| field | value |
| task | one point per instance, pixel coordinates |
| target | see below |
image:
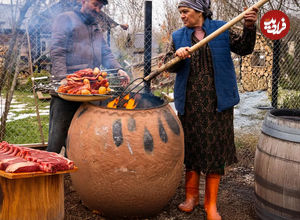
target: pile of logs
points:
(257, 75)
(3, 50)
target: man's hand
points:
(125, 77)
(250, 18)
(63, 82)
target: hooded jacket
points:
(77, 43)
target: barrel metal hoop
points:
(292, 213)
(280, 132)
(276, 188)
(280, 158)
(263, 213)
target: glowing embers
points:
(126, 102)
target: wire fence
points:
(25, 67)
(274, 66)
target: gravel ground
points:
(236, 193)
(236, 196)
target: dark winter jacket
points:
(78, 43)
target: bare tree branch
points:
(10, 55)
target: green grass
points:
(27, 98)
(289, 98)
(26, 131)
(26, 111)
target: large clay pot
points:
(130, 161)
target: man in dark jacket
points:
(77, 43)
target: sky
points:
(157, 8)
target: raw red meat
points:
(22, 167)
(8, 160)
(53, 162)
(22, 159)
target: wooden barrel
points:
(277, 166)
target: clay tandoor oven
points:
(129, 161)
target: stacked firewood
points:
(256, 69)
(3, 50)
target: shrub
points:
(290, 77)
(28, 85)
(291, 102)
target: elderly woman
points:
(205, 94)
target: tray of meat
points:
(83, 98)
(22, 162)
(86, 85)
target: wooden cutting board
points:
(32, 174)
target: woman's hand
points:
(124, 26)
(250, 18)
(183, 52)
(125, 78)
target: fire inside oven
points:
(141, 101)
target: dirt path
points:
(236, 195)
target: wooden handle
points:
(205, 40)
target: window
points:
(258, 58)
(43, 46)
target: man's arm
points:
(61, 30)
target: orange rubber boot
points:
(210, 199)
(191, 192)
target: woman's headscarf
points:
(198, 5)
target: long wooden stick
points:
(205, 40)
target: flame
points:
(130, 104)
(127, 97)
(113, 103)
